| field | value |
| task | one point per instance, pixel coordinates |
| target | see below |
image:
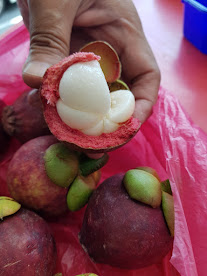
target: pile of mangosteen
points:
(82, 108)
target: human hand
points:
(58, 29)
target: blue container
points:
(195, 23)
(203, 2)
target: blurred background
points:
(9, 14)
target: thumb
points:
(50, 26)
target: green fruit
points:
(165, 186)
(61, 164)
(168, 211)
(89, 165)
(149, 170)
(80, 192)
(8, 206)
(143, 186)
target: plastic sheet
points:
(169, 142)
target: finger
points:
(122, 28)
(50, 25)
(139, 67)
(23, 7)
(141, 71)
(145, 89)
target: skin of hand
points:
(59, 28)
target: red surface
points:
(183, 67)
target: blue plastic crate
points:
(195, 23)
(203, 2)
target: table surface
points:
(183, 67)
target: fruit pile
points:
(82, 107)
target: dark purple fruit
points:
(28, 182)
(27, 246)
(122, 232)
(24, 119)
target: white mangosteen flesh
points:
(86, 103)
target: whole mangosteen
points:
(27, 245)
(24, 119)
(123, 232)
(46, 176)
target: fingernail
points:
(36, 68)
(33, 73)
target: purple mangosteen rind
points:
(4, 137)
(28, 182)
(27, 245)
(24, 119)
(121, 232)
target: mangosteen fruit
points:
(24, 119)
(121, 231)
(79, 108)
(46, 176)
(28, 182)
(4, 138)
(27, 245)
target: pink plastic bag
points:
(168, 142)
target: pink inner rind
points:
(77, 139)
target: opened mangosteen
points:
(27, 245)
(24, 119)
(123, 225)
(46, 176)
(78, 106)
